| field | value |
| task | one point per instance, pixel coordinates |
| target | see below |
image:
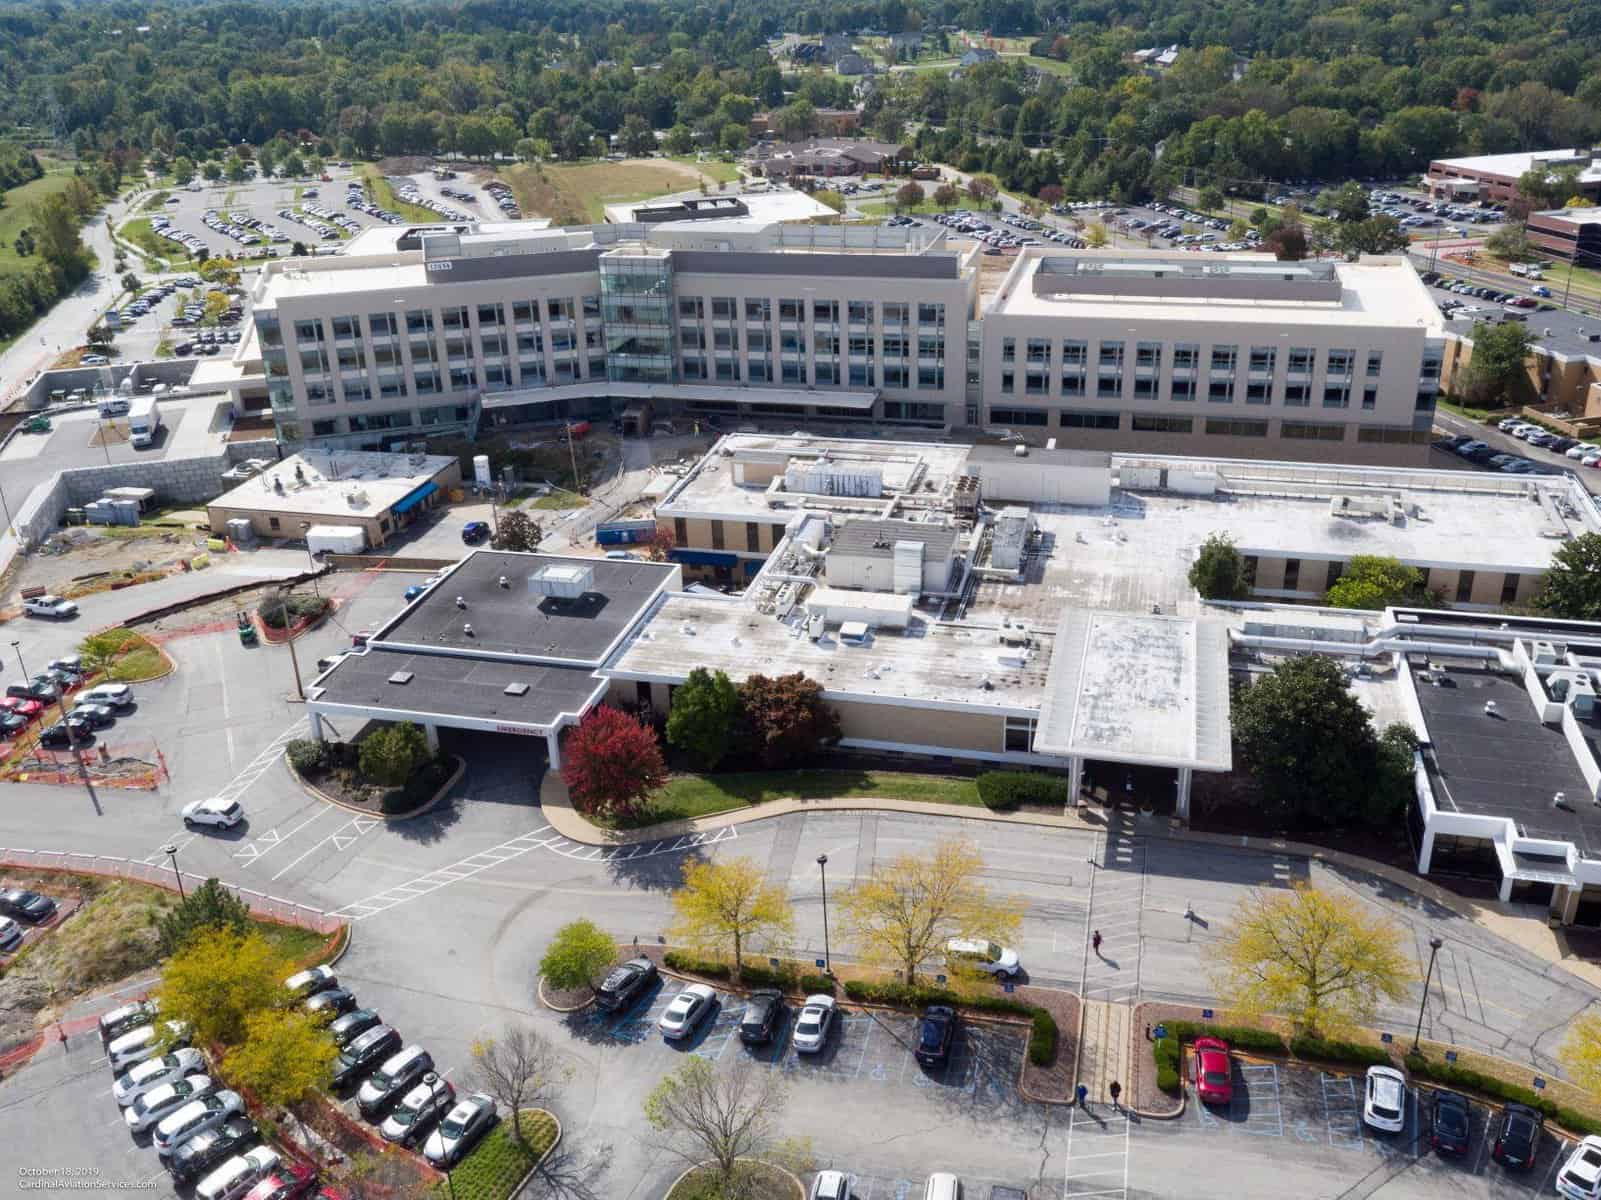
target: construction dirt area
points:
(82, 560)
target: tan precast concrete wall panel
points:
(921, 726)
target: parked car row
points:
(396, 1086)
(20, 910)
(163, 228)
(320, 221)
(406, 190)
(94, 708)
(356, 198)
(143, 302)
(501, 194)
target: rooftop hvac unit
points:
(834, 479)
(907, 575)
(561, 581)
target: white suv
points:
(989, 957)
(1580, 1176)
(1384, 1101)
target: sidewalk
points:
(1510, 922)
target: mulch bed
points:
(565, 998)
(344, 783)
(1148, 1098)
(1054, 1082)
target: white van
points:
(238, 1175)
(145, 1042)
(942, 1185)
(114, 406)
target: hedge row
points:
(786, 976)
(1307, 1045)
(1240, 1037)
(1008, 789)
(1169, 1053)
(1042, 1033)
(691, 964)
(1421, 1067)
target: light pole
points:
(828, 959)
(171, 851)
(289, 640)
(1434, 948)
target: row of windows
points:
(445, 414)
(1217, 426)
(1435, 580)
(1185, 356)
(720, 531)
(795, 310)
(691, 337)
(1112, 385)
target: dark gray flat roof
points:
(877, 538)
(511, 620)
(1508, 765)
(451, 686)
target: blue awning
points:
(705, 558)
(415, 497)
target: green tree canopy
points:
(1572, 585)
(207, 907)
(704, 717)
(1376, 582)
(578, 956)
(391, 755)
(1218, 572)
(1497, 374)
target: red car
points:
(291, 1181)
(1212, 1071)
(22, 707)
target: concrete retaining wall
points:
(105, 379)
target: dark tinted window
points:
(933, 1033)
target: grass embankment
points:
(560, 500)
(687, 796)
(498, 1163)
(383, 195)
(17, 213)
(716, 168)
(577, 193)
(133, 658)
(888, 208)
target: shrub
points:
(392, 755)
(759, 975)
(817, 983)
(692, 964)
(1335, 1050)
(1008, 789)
(1168, 1053)
(1421, 1066)
(271, 610)
(306, 754)
(1042, 1039)
(1240, 1037)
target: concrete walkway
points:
(1520, 925)
(1106, 1050)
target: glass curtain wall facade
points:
(636, 298)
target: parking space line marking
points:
(273, 839)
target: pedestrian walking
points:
(62, 1034)
(1096, 941)
(1083, 1094)
(1117, 1090)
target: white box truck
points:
(144, 419)
(337, 539)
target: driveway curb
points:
(559, 1008)
(316, 792)
(551, 1149)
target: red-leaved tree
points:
(786, 719)
(611, 763)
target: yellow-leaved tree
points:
(724, 906)
(1321, 959)
(902, 914)
(1581, 1050)
(218, 979)
(286, 1053)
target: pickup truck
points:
(49, 606)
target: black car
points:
(11, 724)
(194, 1158)
(1450, 1125)
(30, 906)
(763, 1018)
(1517, 1138)
(74, 731)
(364, 1054)
(352, 1025)
(935, 1033)
(625, 984)
(333, 1002)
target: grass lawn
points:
(766, 1184)
(16, 215)
(138, 233)
(888, 208)
(556, 501)
(1473, 414)
(577, 193)
(384, 195)
(293, 942)
(1050, 66)
(687, 796)
(720, 171)
(497, 1164)
(133, 658)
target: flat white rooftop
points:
(335, 483)
(930, 665)
(1514, 165)
(1138, 688)
(310, 281)
(765, 208)
(710, 488)
(1380, 292)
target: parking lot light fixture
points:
(828, 958)
(1434, 949)
(171, 851)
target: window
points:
(488, 314)
(1301, 360)
(273, 523)
(1292, 574)
(1339, 362)
(1111, 354)
(1109, 385)
(308, 331)
(1220, 391)
(791, 310)
(758, 310)
(1370, 399)
(1297, 395)
(1464, 587)
(525, 312)
(1183, 389)
(753, 537)
(1509, 588)
(1019, 416)
(1263, 358)
(1039, 351)
(1391, 435)
(1152, 423)
(1235, 427)
(757, 341)
(680, 531)
(1375, 363)
(1089, 420)
(930, 347)
(1337, 395)
(826, 373)
(1144, 387)
(1075, 354)
(1424, 402)
(328, 428)
(1072, 385)
(346, 327)
(1336, 569)
(1250, 572)
(1223, 357)
(383, 324)
(1019, 734)
(717, 535)
(860, 347)
(895, 314)
(1257, 393)
(860, 311)
(723, 308)
(1431, 365)
(455, 319)
(691, 308)
(723, 338)
(591, 308)
(1312, 431)
(562, 310)
(931, 314)
(1008, 350)
(1007, 383)
(933, 379)
(1148, 355)
(1185, 356)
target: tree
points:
(285, 1054)
(518, 1068)
(1210, 199)
(832, 198)
(1288, 243)
(1096, 236)
(99, 336)
(1320, 959)
(947, 196)
(1218, 572)
(704, 716)
(982, 189)
(130, 282)
(54, 222)
(903, 913)
(1375, 235)
(611, 764)
(785, 719)
(729, 905)
(219, 978)
(1510, 242)
(577, 956)
(183, 170)
(392, 754)
(1394, 790)
(1239, 229)
(234, 169)
(1497, 374)
(909, 195)
(1581, 1050)
(1375, 582)
(516, 530)
(1348, 202)
(660, 545)
(1572, 585)
(636, 136)
(207, 907)
(796, 120)
(701, 1114)
(1307, 741)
